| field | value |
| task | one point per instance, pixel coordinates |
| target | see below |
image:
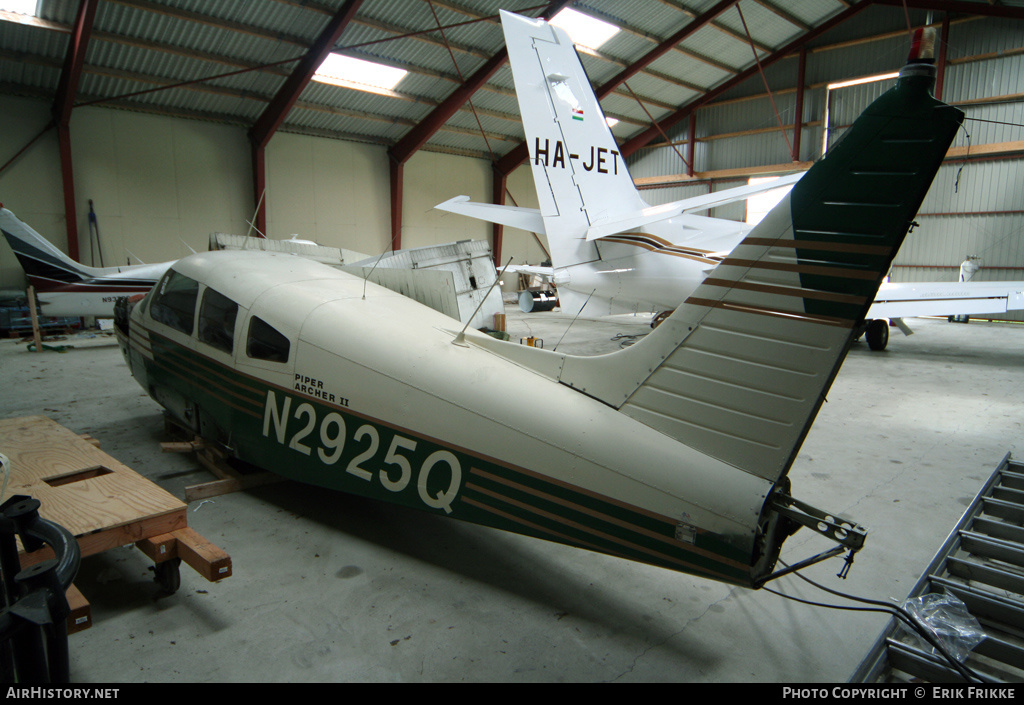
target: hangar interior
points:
(134, 129)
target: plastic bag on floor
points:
(947, 618)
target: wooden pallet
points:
(102, 502)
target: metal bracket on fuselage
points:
(849, 536)
(845, 533)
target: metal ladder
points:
(981, 563)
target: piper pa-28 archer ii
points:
(610, 251)
(674, 452)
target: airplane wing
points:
(909, 299)
(528, 219)
(654, 214)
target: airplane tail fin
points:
(741, 368)
(45, 266)
(578, 172)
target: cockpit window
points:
(174, 303)
(265, 342)
(217, 316)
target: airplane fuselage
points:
(646, 269)
(445, 428)
(94, 295)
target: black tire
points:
(877, 334)
(168, 575)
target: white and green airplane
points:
(673, 452)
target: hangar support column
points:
(63, 104)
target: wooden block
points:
(205, 558)
(159, 548)
(81, 611)
(215, 464)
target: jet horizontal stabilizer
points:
(528, 219)
(656, 214)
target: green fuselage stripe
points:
(299, 439)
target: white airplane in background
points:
(606, 244)
(613, 253)
(65, 287)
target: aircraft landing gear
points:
(877, 334)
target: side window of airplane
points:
(175, 301)
(217, 317)
(265, 342)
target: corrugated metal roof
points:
(139, 44)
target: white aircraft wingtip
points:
(451, 202)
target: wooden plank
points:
(183, 446)
(205, 490)
(205, 558)
(107, 539)
(102, 502)
(229, 479)
(36, 337)
(104, 496)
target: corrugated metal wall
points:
(975, 207)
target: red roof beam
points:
(275, 113)
(419, 135)
(74, 60)
(665, 124)
(666, 46)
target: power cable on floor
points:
(896, 611)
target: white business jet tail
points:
(583, 186)
(579, 174)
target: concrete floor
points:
(331, 587)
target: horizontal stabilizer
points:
(528, 219)
(547, 273)
(655, 214)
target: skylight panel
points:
(356, 73)
(22, 7)
(583, 29)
